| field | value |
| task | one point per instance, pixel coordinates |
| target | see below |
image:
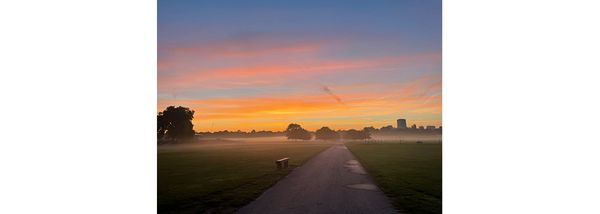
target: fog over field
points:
(403, 137)
(408, 137)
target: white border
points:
(78, 86)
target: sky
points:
(244, 65)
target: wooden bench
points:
(282, 163)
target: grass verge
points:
(220, 178)
(410, 174)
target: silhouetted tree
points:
(175, 123)
(387, 128)
(292, 126)
(353, 134)
(370, 129)
(295, 131)
(325, 133)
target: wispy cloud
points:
(199, 77)
(240, 49)
(269, 111)
(328, 91)
(311, 76)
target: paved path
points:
(331, 182)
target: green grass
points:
(220, 178)
(410, 174)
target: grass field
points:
(410, 174)
(222, 177)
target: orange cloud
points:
(270, 112)
(252, 63)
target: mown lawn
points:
(218, 178)
(410, 174)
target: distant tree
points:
(370, 129)
(295, 131)
(325, 133)
(387, 128)
(367, 130)
(353, 134)
(292, 126)
(305, 135)
(175, 123)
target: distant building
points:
(401, 123)
(430, 127)
(414, 126)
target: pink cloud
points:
(281, 71)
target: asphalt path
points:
(331, 182)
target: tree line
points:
(296, 132)
(175, 123)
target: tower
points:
(401, 123)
